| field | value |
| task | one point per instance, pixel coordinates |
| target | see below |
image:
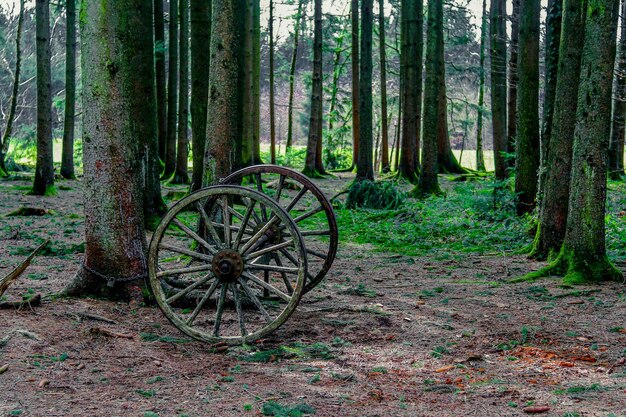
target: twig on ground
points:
(5, 340)
(109, 333)
(88, 316)
(7, 280)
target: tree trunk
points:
(428, 183)
(119, 92)
(315, 121)
(181, 175)
(44, 171)
(256, 92)
(200, 61)
(226, 84)
(67, 157)
(583, 256)
(480, 157)
(512, 103)
(159, 50)
(554, 204)
(383, 89)
(292, 77)
(251, 83)
(172, 93)
(4, 142)
(356, 116)
(412, 16)
(527, 146)
(498, 86)
(616, 146)
(364, 165)
(271, 70)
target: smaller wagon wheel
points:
(212, 270)
(308, 206)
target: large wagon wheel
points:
(308, 206)
(212, 267)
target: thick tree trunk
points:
(44, 171)
(554, 204)
(292, 77)
(181, 174)
(512, 103)
(67, 157)
(4, 142)
(226, 84)
(498, 86)
(616, 146)
(527, 143)
(159, 50)
(480, 156)
(315, 121)
(356, 116)
(412, 16)
(583, 256)
(271, 70)
(364, 166)
(200, 61)
(172, 93)
(118, 80)
(383, 89)
(428, 182)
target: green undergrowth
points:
(294, 350)
(616, 221)
(470, 219)
(381, 195)
(272, 408)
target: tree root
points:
(29, 335)
(18, 305)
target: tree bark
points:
(226, 84)
(512, 103)
(4, 142)
(364, 166)
(383, 89)
(200, 18)
(498, 86)
(181, 173)
(527, 143)
(67, 157)
(172, 93)
(44, 171)
(480, 156)
(271, 70)
(555, 201)
(356, 116)
(256, 92)
(616, 146)
(292, 77)
(159, 48)
(118, 79)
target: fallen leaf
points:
(576, 302)
(445, 368)
(4, 368)
(43, 383)
(536, 409)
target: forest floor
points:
(431, 328)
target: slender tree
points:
(200, 18)
(181, 175)
(292, 76)
(172, 93)
(44, 171)
(556, 191)
(527, 143)
(512, 103)
(498, 86)
(356, 117)
(480, 157)
(616, 146)
(271, 70)
(159, 50)
(256, 92)
(383, 89)
(365, 166)
(67, 157)
(315, 121)
(4, 141)
(119, 97)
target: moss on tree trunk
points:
(498, 86)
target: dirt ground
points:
(383, 335)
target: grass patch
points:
(272, 408)
(295, 350)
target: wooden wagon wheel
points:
(308, 206)
(212, 267)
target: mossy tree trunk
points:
(315, 120)
(480, 157)
(356, 116)
(181, 173)
(512, 71)
(67, 157)
(200, 19)
(172, 93)
(117, 67)
(428, 182)
(555, 201)
(527, 143)
(44, 170)
(498, 86)
(4, 141)
(365, 165)
(159, 51)
(411, 50)
(583, 258)
(292, 76)
(226, 84)
(256, 93)
(384, 121)
(616, 146)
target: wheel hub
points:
(227, 265)
(273, 233)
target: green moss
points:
(312, 173)
(3, 173)
(49, 192)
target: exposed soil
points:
(383, 335)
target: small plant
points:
(272, 408)
(381, 195)
(155, 379)
(146, 393)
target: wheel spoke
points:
(296, 199)
(309, 214)
(244, 224)
(226, 220)
(283, 275)
(242, 323)
(184, 251)
(178, 271)
(268, 249)
(325, 232)
(255, 300)
(272, 268)
(208, 224)
(259, 187)
(190, 288)
(202, 302)
(258, 235)
(267, 286)
(220, 310)
(318, 254)
(295, 262)
(279, 188)
(194, 236)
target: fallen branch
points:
(29, 335)
(33, 301)
(109, 333)
(13, 275)
(88, 316)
